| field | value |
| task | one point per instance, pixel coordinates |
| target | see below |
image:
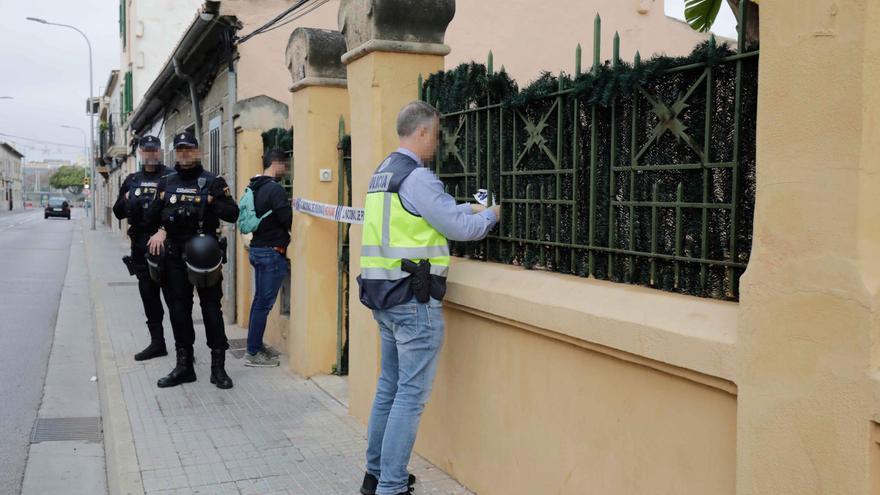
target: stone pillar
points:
(809, 301)
(319, 99)
(253, 116)
(390, 43)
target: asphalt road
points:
(33, 263)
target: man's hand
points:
(477, 208)
(126, 196)
(157, 242)
(210, 199)
(497, 211)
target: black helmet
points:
(156, 267)
(203, 258)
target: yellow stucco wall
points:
(261, 64)
(809, 303)
(249, 151)
(527, 39)
(550, 383)
(315, 116)
(515, 412)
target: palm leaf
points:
(701, 14)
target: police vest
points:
(391, 234)
(143, 187)
(186, 204)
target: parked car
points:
(57, 207)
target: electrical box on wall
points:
(326, 175)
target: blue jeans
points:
(270, 268)
(412, 335)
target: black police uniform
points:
(183, 211)
(142, 188)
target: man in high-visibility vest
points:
(404, 262)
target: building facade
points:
(11, 178)
(36, 179)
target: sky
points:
(46, 69)
(725, 24)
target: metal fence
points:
(654, 187)
(342, 252)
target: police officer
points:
(408, 218)
(138, 191)
(192, 201)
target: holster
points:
(223, 245)
(128, 264)
(419, 279)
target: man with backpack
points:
(265, 211)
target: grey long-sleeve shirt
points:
(422, 193)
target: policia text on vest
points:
(192, 202)
(136, 194)
(408, 219)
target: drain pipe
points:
(197, 112)
(232, 177)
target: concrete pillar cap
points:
(314, 58)
(397, 26)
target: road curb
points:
(123, 469)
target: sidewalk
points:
(274, 432)
(66, 455)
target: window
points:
(127, 96)
(122, 21)
(214, 145)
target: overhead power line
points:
(41, 141)
(282, 18)
(305, 11)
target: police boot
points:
(183, 372)
(218, 372)
(156, 347)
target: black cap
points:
(185, 139)
(149, 143)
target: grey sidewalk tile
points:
(272, 433)
(195, 457)
(207, 474)
(164, 479)
(220, 489)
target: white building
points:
(148, 32)
(10, 178)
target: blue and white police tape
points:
(336, 213)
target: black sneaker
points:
(371, 482)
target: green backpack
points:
(248, 221)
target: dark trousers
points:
(152, 302)
(179, 297)
(149, 290)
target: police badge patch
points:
(173, 199)
(137, 192)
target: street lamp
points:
(91, 113)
